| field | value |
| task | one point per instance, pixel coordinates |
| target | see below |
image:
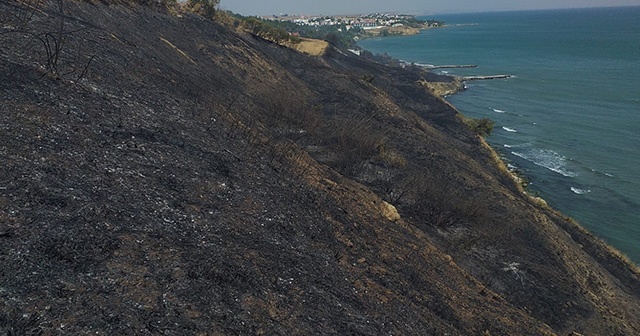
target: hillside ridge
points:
(168, 174)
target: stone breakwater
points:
(469, 78)
(463, 66)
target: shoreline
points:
(557, 194)
(574, 226)
(456, 84)
(578, 231)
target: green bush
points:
(206, 7)
(482, 127)
(267, 31)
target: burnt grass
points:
(166, 174)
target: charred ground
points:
(170, 175)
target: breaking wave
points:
(580, 191)
(602, 172)
(548, 159)
(517, 146)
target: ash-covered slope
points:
(197, 180)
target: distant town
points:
(346, 30)
(366, 22)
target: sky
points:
(331, 7)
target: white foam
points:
(603, 173)
(580, 191)
(517, 146)
(548, 159)
(509, 129)
(498, 111)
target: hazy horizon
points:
(332, 7)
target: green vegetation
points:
(341, 32)
(417, 23)
(482, 127)
(367, 78)
(205, 7)
(338, 35)
(256, 26)
(267, 30)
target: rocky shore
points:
(455, 84)
(444, 88)
(392, 31)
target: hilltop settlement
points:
(370, 25)
(366, 22)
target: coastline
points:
(451, 85)
(614, 263)
(591, 175)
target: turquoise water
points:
(570, 116)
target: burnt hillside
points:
(165, 174)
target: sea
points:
(568, 119)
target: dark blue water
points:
(570, 118)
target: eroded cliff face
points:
(199, 180)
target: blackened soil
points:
(165, 174)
